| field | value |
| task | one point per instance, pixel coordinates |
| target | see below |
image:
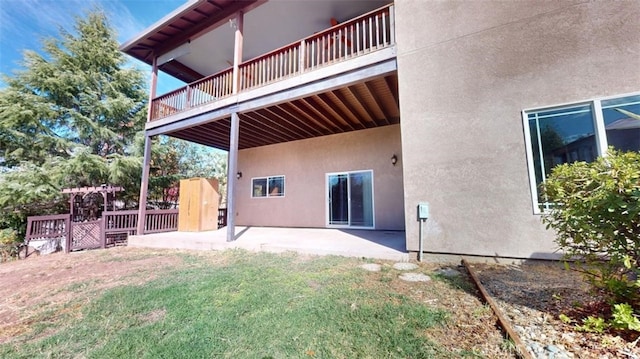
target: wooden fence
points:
(49, 228)
(113, 228)
(222, 217)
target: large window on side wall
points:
(578, 132)
(272, 186)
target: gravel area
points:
(533, 295)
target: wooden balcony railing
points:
(367, 33)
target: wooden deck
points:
(363, 35)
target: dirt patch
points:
(45, 287)
(153, 316)
(534, 295)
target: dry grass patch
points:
(127, 302)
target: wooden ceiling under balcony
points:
(363, 105)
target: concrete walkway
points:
(321, 241)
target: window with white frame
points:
(272, 186)
(578, 132)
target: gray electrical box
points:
(423, 211)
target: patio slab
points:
(388, 245)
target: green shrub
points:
(596, 214)
(9, 244)
(623, 317)
(592, 325)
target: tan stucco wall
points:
(305, 165)
(466, 71)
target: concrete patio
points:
(388, 245)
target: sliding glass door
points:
(350, 199)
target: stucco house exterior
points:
(347, 114)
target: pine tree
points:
(70, 117)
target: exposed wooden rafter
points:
(367, 104)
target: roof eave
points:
(180, 11)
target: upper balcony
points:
(313, 40)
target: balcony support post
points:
(144, 185)
(237, 52)
(146, 164)
(232, 169)
(152, 88)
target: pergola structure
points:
(103, 190)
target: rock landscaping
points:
(534, 295)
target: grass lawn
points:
(232, 304)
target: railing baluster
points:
(254, 76)
(370, 34)
(377, 32)
(272, 68)
(295, 59)
(322, 49)
(251, 75)
(268, 68)
(357, 38)
(350, 48)
(340, 42)
(384, 29)
(312, 58)
(281, 64)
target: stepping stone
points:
(415, 277)
(371, 267)
(405, 266)
(449, 272)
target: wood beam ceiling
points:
(356, 107)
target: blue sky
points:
(24, 23)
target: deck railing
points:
(222, 217)
(161, 220)
(114, 226)
(47, 228)
(197, 93)
(362, 35)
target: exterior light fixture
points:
(239, 175)
(394, 160)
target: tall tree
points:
(70, 117)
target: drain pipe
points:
(423, 215)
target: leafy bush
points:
(623, 317)
(592, 325)
(9, 244)
(596, 215)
